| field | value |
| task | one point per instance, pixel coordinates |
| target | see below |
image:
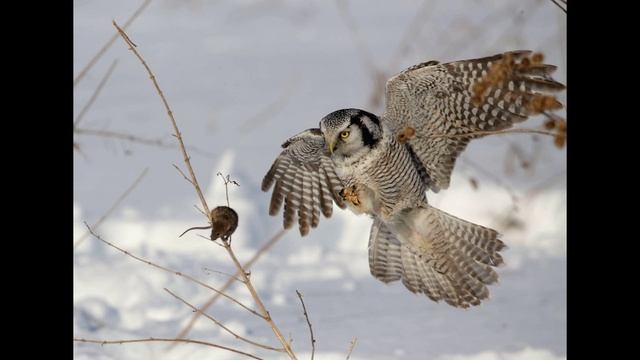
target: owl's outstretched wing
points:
(446, 105)
(305, 180)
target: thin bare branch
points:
(136, 139)
(560, 6)
(227, 180)
(96, 93)
(227, 244)
(106, 46)
(172, 271)
(185, 177)
(170, 113)
(113, 207)
(261, 117)
(256, 298)
(209, 238)
(151, 339)
(77, 148)
(211, 271)
(349, 21)
(493, 177)
(122, 136)
(200, 210)
(304, 309)
(553, 116)
(222, 325)
(411, 32)
(263, 250)
(544, 184)
(351, 346)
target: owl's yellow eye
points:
(344, 134)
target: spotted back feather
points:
(439, 101)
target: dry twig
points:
(306, 316)
(112, 208)
(171, 271)
(222, 325)
(351, 346)
(492, 177)
(135, 139)
(227, 244)
(95, 94)
(152, 339)
(211, 271)
(267, 245)
(106, 46)
(177, 133)
(560, 6)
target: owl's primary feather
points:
(305, 180)
(383, 166)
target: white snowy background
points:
(243, 76)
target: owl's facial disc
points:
(349, 131)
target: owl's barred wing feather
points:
(446, 103)
(450, 260)
(384, 253)
(305, 181)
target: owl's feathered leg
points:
(442, 256)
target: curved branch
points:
(151, 339)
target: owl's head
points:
(350, 132)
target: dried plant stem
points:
(493, 177)
(170, 113)
(134, 139)
(306, 316)
(256, 298)
(267, 245)
(171, 271)
(270, 111)
(122, 136)
(113, 207)
(151, 339)
(412, 31)
(349, 21)
(186, 178)
(222, 325)
(96, 93)
(227, 245)
(207, 270)
(106, 46)
(560, 6)
(351, 346)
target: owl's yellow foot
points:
(350, 194)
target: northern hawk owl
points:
(383, 165)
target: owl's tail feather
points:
(447, 257)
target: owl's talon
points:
(350, 194)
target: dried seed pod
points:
(537, 58)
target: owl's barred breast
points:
(385, 180)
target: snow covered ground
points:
(241, 77)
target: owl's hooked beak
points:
(331, 143)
